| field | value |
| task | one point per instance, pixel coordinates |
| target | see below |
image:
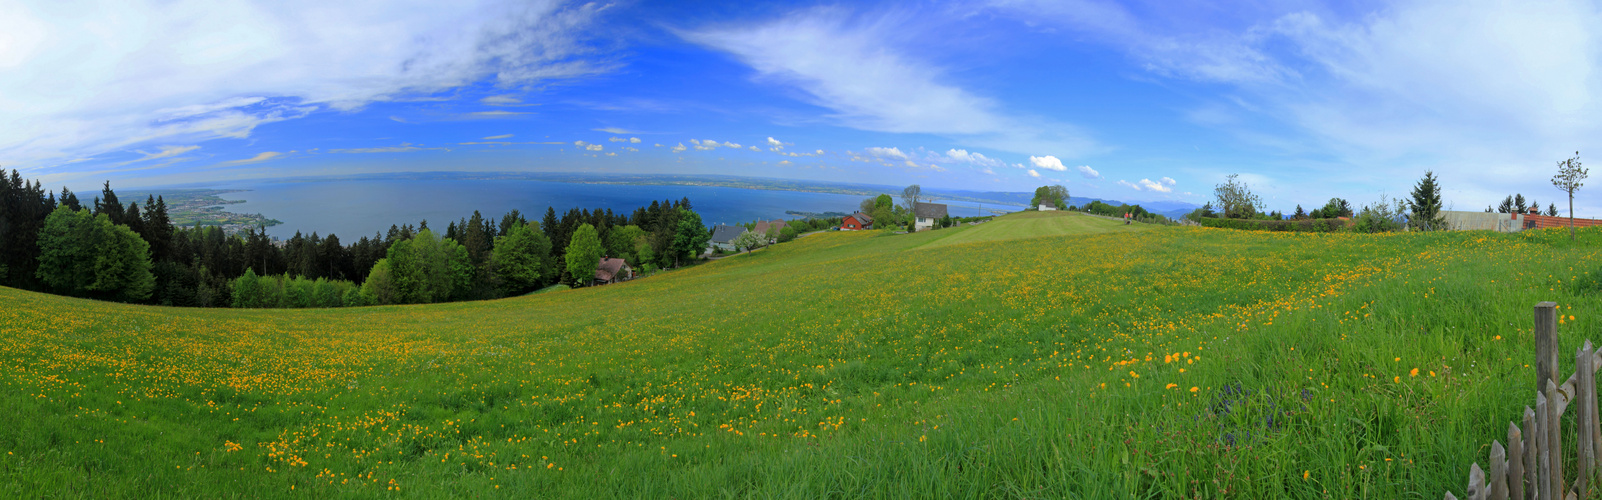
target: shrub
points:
(1294, 226)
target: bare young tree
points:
(1569, 178)
(911, 196)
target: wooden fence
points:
(1531, 466)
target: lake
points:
(356, 208)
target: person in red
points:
(1126, 218)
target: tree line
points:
(132, 253)
(1421, 211)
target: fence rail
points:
(1531, 465)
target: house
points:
(723, 237)
(1046, 206)
(610, 270)
(929, 215)
(856, 221)
(776, 224)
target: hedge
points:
(1296, 226)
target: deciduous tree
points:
(1236, 200)
(584, 254)
(519, 259)
(691, 236)
(1570, 177)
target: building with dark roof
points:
(928, 214)
(610, 270)
(856, 221)
(723, 237)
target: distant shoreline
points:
(188, 207)
(1019, 199)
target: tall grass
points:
(1168, 363)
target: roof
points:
(931, 210)
(762, 226)
(609, 268)
(862, 217)
(726, 234)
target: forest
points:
(106, 250)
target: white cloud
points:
(481, 115)
(976, 159)
(85, 78)
(405, 147)
(887, 152)
(634, 140)
(502, 100)
(608, 154)
(818, 153)
(680, 148)
(1087, 172)
(864, 70)
(613, 130)
(786, 162)
(1167, 181)
(260, 157)
(1048, 162)
(775, 144)
(754, 148)
(1477, 90)
(617, 139)
(631, 149)
(1155, 186)
(166, 152)
(494, 137)
(706, 145)
(1125, 183)
(594, 147)
(1033, 173)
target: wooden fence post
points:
(1543, 443)
(1546, 358)
(1584, 413)
(1498, 472)
(1554, 444)
(1532, 452)
(1515, 459)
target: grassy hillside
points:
(1090, 360)
(1033, 225)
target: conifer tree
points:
(1425, 207)
(109, 205)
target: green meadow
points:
(1041, 355)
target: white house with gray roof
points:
(723, 237)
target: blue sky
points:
(1142, 101)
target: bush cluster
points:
(1295, 226)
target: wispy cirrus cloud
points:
(1469, 88)
(863, 67)
(481, 115)
(260, 157)
(195, 72)
(403, 148)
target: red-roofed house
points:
(857, 221)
